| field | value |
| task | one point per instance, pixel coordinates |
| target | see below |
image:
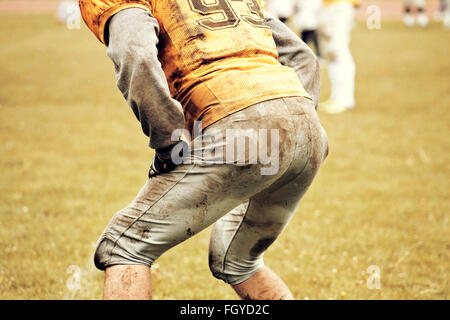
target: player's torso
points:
(205, 42)
(195, 33)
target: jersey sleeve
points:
(96, 13)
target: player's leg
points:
(172, 207)
(264, 285)
(268, 215)
(446, 15)
(234, 260)
(128, 282)
(408, 17)
(341, 66)
(240, 238)
(422, 16)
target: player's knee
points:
(120, 244)
(233, 271)
(102, 253)
(336, 52)
(109, 253)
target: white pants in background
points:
(446, 14)
(335, 25)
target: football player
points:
(214, 72)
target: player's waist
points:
(232, 90)
(233, 65)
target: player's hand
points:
(160, 165)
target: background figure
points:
(307, 21)
(446, 13)
(68, 10)
(335, 25)
(282, 9)
(409, 18)
(438, 15)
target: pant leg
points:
(336, 25)
(446, 17)
(240, 238)
(172, 207)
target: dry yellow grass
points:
(72, 154)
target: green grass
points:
(72, 154)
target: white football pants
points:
(335, 26)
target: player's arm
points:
(132, 36)
(296, 54)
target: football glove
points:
(160, 165)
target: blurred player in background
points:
(282, 9)
(445, 7)
(68, 12)
(440, 11)
(409, 19)
(335, 26)
(306, 20)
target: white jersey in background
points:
(282, 9)
(307, 16)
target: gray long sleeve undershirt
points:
(296, 54)
(133, 37)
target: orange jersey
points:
(218, 57)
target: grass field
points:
(72, 154)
